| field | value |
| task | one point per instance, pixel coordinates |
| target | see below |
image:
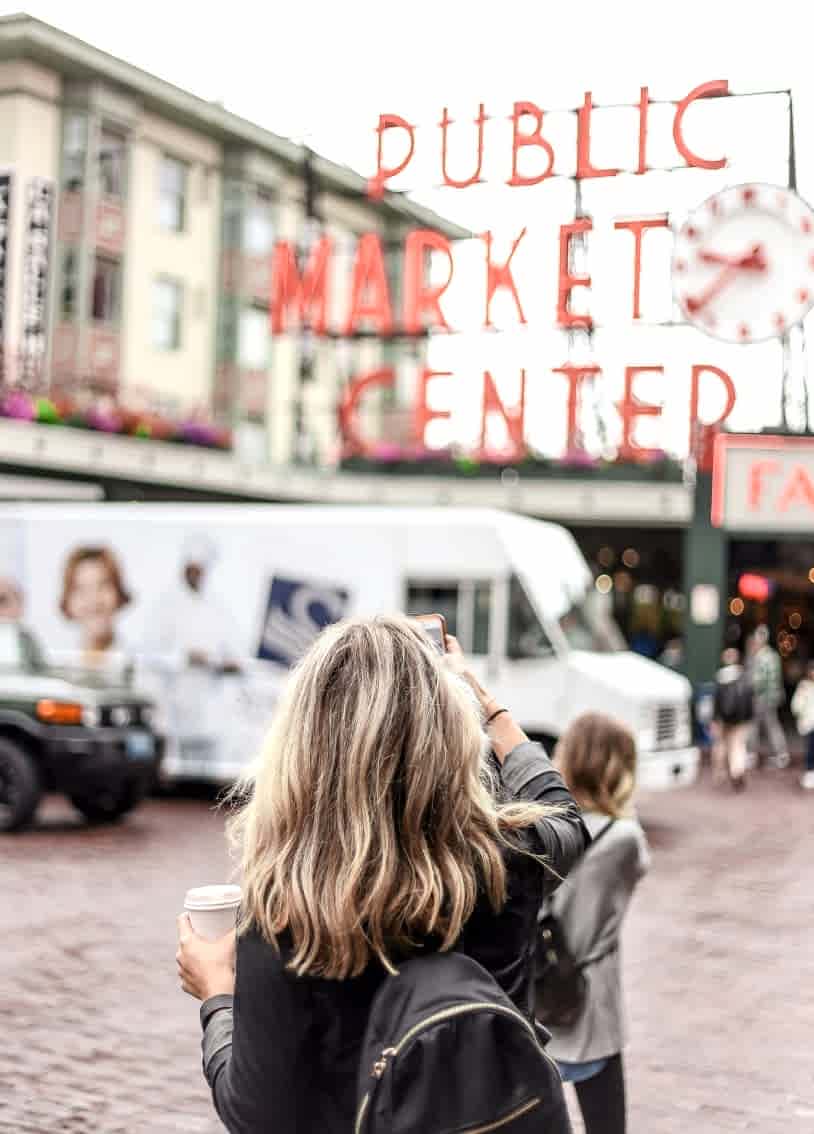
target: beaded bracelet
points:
(496, 713)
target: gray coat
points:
(591, 905)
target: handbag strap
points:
(595, 958)
(598, 837)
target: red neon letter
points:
(422, 414)
(417, 297)
(756, 474)
(800, 488)
(500, 275)
(575, 376)
(695, 388)
(637, 227)
(308, 292)
(584, 167)
(375, 186)
(514, 419)
(630, 408)
(706, 90)
(567, 282)
(535, 138)
(353, 442)
(370, 295)
(644, 103)
(446, 122)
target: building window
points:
(527, 638)
(481, 615)
(69, 286)
(106, 297)
(253, 339)
(168, 296)
(74, 149)
(258, 232)
(112, 158)
(172, 194)
(423, 598)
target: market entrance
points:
(772, 581)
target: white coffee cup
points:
(212, 909)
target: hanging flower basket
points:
(111, 418)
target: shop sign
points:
(36, 267)
(763, 483)
(5, 205)
(300, 294)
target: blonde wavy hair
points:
(596, 756)
(370, 823)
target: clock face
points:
(743, 263)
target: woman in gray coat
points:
(597, 759)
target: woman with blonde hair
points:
(597, 758)
(373, 832)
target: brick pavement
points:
(718, 959)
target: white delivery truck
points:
(206, 606)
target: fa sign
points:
(763, 484)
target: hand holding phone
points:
(435, 627)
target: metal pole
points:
(303, 452)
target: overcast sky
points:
(326, 70)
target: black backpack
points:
(560, 986)
(447, 1052)
(734, 700)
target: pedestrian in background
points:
(597, 758)
(766, 674)
(370, 836)
(802, 706)
(732, 715)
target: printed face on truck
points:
(93, 593)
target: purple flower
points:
(197, 433)
(387, 452)
(578, 459)
(105, 421)
(18, 405)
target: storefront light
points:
(607, 555)
(736, 607)
(623, 582)
(795, 620)
(811, 575)
(630, 557)
(604, 584)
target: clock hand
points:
(754, 259)
(695, 303)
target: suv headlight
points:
(120, 716)
(147, 714)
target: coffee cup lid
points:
(212, 897)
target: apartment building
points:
(137, 223)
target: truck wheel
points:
(107, 806)
(20, 788)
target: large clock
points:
(743, 263)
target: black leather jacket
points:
(282, 1053)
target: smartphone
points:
(435, 627)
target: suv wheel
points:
(20, 788)
(107, 806)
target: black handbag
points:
(559, 977)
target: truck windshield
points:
(19, 651)
(587, 626)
